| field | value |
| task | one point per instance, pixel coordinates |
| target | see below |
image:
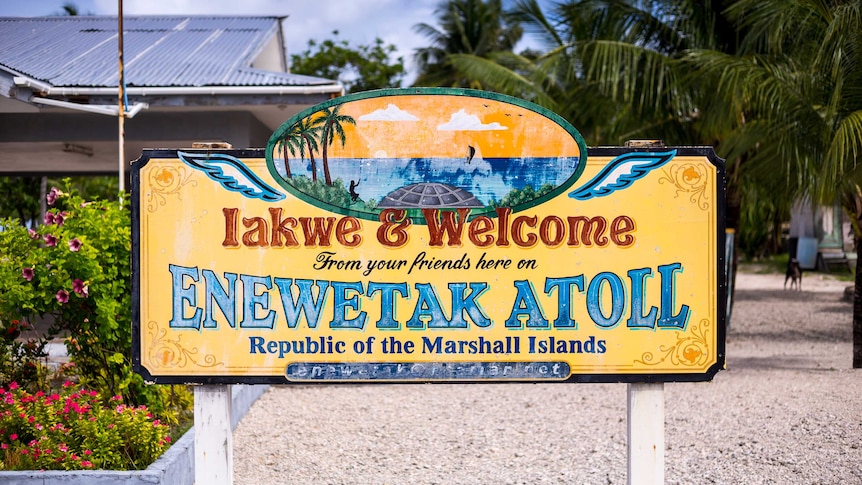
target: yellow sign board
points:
(428, 235)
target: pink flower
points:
(28, 274)
(49, 218)
(63, 296)
(86, 463)
(75, 244)
(13, 386)
(59, 218)
(4, 446)
(80, 288)
(33, 234)
(88, 452)
(50, 240)
(52, 195)
(13, 437)
(68, 384)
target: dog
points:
(793, 274)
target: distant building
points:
(188, 79)
(820, 236)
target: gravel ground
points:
(788, 410)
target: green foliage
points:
(359, 68)
(759, 222)
(19, 196)
(20, 359)
(74, 430)
(520, 196)
(335, 194)
(75, 270)
(478, 28)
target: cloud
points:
(391, 113)
(461, 121)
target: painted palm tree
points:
(289, 142)
(475, 27)
(307, 131)
(333, 126)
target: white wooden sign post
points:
(213, 435)
(645, 434)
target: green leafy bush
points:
(75, 271)
(73, 430)
(21, 360)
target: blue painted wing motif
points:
(621, 172)
(232, 174)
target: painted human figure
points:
(353, 194)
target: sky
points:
(357, 21)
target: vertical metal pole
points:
(121, 111)
(213, 435)
(645, 434)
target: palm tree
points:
(476, 27)
(308, 131)
(333, 125)
(801, 77)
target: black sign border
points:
(720, 265)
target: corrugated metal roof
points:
(157, 50)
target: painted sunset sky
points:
(411, 127)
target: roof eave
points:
(50, 90)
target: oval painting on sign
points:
(425, 148)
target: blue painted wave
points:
(488, 179)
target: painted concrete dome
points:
(429, 194)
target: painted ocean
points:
(488, 179)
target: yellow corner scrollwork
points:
(171, 353)
(689, 178)
(690, 349)
(165, 181)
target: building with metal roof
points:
(187, 79)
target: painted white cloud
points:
(461, 121)
(391, 113)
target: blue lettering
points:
(637, 319)
(304, 302)
(427, 307)
(564, 287)
(594, 299)
(225, 299)
(251, 300)
(468, 305)
(527, 305)
(668, 299)
(388, 302)
(341, 303)
(182, 294)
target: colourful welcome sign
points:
(428, 235)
